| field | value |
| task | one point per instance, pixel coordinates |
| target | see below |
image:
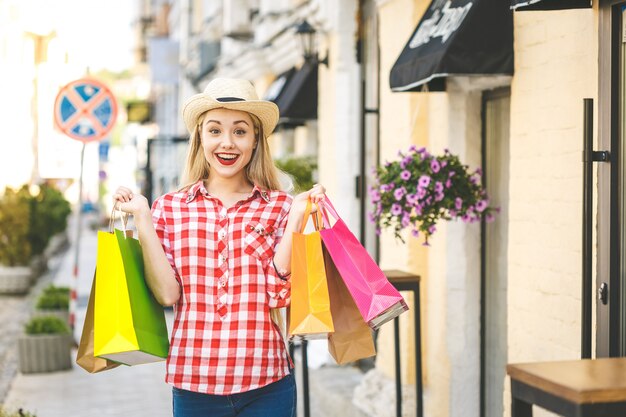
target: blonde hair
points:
(260, 171)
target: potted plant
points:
(419, 189)
(55, 209)
(301, 169)
(54, 301)
(45, 346)
(15, 246)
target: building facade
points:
(504, 292)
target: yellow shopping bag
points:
(129, 324)
(309, 315)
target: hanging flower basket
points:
(419, 189)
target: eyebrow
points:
(219, 123)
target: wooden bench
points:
(577, 388)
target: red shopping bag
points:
(377, 299)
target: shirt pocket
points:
(259, 239)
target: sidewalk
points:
(139, 391)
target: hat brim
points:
(266, 111)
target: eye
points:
(214, 131)
(240, 132)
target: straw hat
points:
(233, 94)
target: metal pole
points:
(74, 289)
(585, 342)
(396, 346)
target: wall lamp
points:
(306, 34)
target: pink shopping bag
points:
(377, 299)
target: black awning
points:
(295, 94)
(456, 37)
(521, 5)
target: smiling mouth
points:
(227, 158)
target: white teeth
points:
(228, 157)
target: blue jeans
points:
(277, 399)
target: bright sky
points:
(97, 33)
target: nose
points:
(227, 142)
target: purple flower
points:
(465, 218)
(406, 219)
(432, 229)
(387, 164)
(421, 150)
(375, 195)
(412, 148)
(474, 180)
(448, 183)
(435, 166)
(421, 192)
(396, 209)
(411, 199)
(405, 175)
(438, 187)
(372, 217)
(452, 213)
(451, 174)
(415, 232)
(418, 209)
(458, 203)
(399, 193)
(479, 172)
(443, 164)
(424, 181)
(378, 231)
(439, 196)
(403, 164)
(490, 217)
(481, 205)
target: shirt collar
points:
(199, 188)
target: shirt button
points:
(222, 234)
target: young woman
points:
(219, 251)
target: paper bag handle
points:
(327, 207)
(317, 219)
(124, 218)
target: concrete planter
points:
(38, 265)
(15, 279)
(44, 353)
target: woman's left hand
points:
(315, 194)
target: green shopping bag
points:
(129, 324)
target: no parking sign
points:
(85, 110)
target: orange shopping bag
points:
(309, 315)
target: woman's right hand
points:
(128, 202)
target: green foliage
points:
(49, 213)
(18, 413)
(46, 325)
(28, 222)
(15, 245)
(301, 169)
(54, 298)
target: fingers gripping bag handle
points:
(317, 217)
(124, 217)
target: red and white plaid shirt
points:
(223, 340)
